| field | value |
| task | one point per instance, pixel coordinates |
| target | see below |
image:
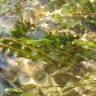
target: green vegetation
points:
(65, 32)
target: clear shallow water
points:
(8, 20)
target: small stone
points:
(37, 34)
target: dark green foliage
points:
(13, 92)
